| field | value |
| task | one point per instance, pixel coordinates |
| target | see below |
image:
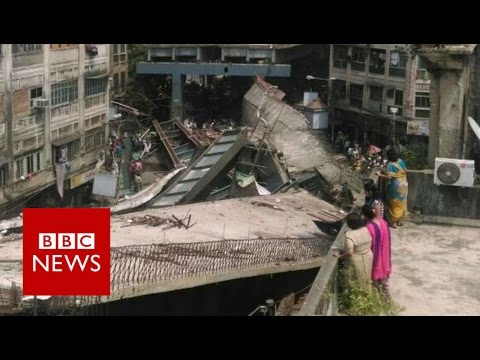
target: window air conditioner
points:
(454, 172)
(40, 103)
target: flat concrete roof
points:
(273, 216)
(435, 269)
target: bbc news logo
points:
(66, 252)
(55, 263)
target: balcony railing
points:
(358, 66)
(398, 72)
(377, 69)
(68, 110)
(374, 106)
(95, 101)
(340, 63)
(356, 102)
(64, 55)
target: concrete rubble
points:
(286, 161)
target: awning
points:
(66, 140)
(93, 76)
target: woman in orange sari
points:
(397, 189)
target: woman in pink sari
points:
(381, 248)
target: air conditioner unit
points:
(454, 172)
(40, 103)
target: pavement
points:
(435, 269)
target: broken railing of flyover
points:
(142, 265)
(322, 297)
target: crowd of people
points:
(368, 244)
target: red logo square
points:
(66, 252)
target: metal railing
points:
(141, 265)
(322, 297)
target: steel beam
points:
(227, 69)
(177, 70)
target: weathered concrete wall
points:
(441, 200)
(235, 297)
(289, 132)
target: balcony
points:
(38, 181)
(340, 63)
(65, 111)
(374, 106)
(356, 102)
(358, 66)
(28, 123)
(95, 100)
(377, 69)
(63, 55)
(397, 72)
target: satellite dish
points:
(475, 127)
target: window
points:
(95, 86)
(376, 93)
(64, 92)
(28, 163)
(422, 72)
(119, 53)
(25, 48)
(123, 77)
(67, 152)
(35, 93)
(116, 82)
(356, 95)
(398, 64)
(340, 55)
(358, 58)
(422, 105)
(398, 97)
(3, 175)
(94, 138)
(339, 88)
(377, 61)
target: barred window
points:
(95, 86)
(64, 92)
(28, 163)
(119, 53)
(94, 138)
(24, 48)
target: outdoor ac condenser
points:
(454, 172)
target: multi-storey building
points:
(119, 69)
(53, 117)
(370, 80)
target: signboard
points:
(418, 127)
(105, 185)
(82, 178)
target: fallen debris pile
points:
(147, 220)
(151, 220)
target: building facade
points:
(54, 101)
(119, 69)
(370, 81)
